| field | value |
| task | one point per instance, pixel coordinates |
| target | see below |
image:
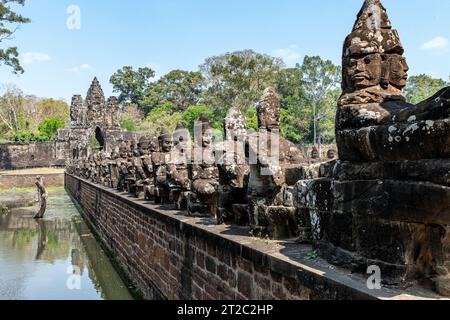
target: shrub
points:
(128, 124)
(50, 126)
(29, 136)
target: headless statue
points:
(42, 196)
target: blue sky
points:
(180, 34)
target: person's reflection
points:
(78, 260)
(42, 240)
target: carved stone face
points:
(331, 154)
(234, 125)
(398, 71)
(269, 117)
(133, 151)
(144, 148)
(269, 110)
(207, 138)
(181, 138)
(154, 146)
(166, 144)
(365, 71)
(123, 151)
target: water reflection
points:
(54, 258)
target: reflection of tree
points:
(42, 240)
(59, 240)
(22, 239)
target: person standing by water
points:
(42, 196)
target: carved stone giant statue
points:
(374, 121)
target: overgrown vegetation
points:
(30, 119)
(309, 93)
(9, 22)
(422, 87)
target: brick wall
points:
(10, 181)
(15, 156)
(171, 256)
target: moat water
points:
(56, 258)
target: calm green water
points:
(53, 259)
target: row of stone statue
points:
(155, 169)
(206, 177)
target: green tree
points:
(193, 113)
(296, 121)
(13, 115)
(128, 124)
(179, 87)
(9, 21)
(28, 136)
(132, 118)
(50, 126)
(51, 108)
(320, 80)
(161, 117)
(290, 85)
(327, 123)
(422, 87)
(131, 84)
(251, 118)
(296, 115)
(238, 78)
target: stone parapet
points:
(173, 256)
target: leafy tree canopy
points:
(51, 108)
(193, 113)
(238, 78)
(161, 117)
(131, 84)
(422, 87)
(9, 21)
(179, 87)
(50, 126)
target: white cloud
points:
(32, 57)
(84, 66)
(436, 43)
(289, 55)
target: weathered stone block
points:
(429, 170)
(417, 202)
(314, 194)
(338, 228)
(403, 141)
(277, 222)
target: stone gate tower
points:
(91, 119)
